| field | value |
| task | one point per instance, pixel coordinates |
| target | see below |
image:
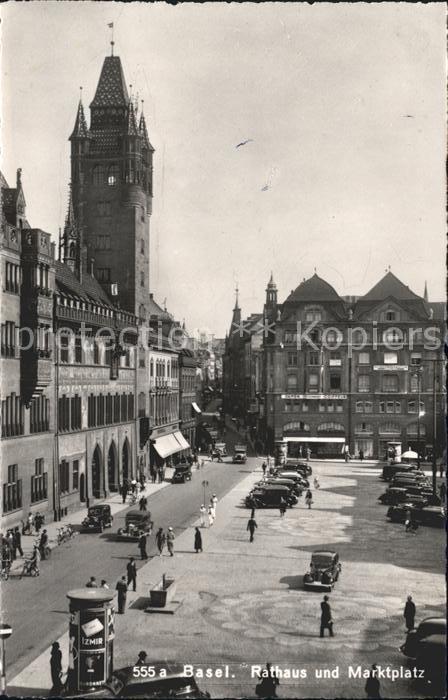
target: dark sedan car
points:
(430, 515)
(156, 680)
(290, 483)
(303, 467)
(98, 517)
(395, 496)
(389, 470)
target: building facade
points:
(352, 373)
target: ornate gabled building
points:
(338, 373)
(111, 177)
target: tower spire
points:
(236, 296)
(425, 293)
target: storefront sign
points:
(330, 397)
(391, 368)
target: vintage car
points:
(219, 450)
(182, 473)
(296, 466)
(240, 454)
(389, 470)
(393, 496)
(293, 485)
(426, 628)
(98, 517)
(431, 659)
(270, 496)
(156, 680)
(429, 515)
(295, 476)
(136, 523)
(324, 571)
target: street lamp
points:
(419, 391)
(5, 633)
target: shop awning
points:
(196, 407)
(181, 440)
(167, 445)
(314, 439)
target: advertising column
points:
(91, 635)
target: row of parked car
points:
(285, 485)
(425, 648)
(410, 491)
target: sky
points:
(343, 107)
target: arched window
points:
(330, 428)
(113, 175)
(72, 251)
(98, 175)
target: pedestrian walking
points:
(251, 526)
(442, 492)
(143, 503)
(124, 492)
(361, 455)
(211, 516)
(10, 543)
(372, 686)
(122, 589)
(197, 540)
(264, 467)
(160, 540)
(300, 452)
(43, 542)
(56, 669)
(91, 583)
(282, 507)
(38, 520)
(308, 454)
(309, 498)
(203, 513)
(18, 540)
(30, 524)
(214, 502)
(132, 574)
(142, 546)
(409, 613)
(104, 584)
(170, 541)
(153, 475)
(316, 483)
(326, 621)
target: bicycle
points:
(30, 568)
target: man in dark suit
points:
(122, 589)
(132, 574)
(326, 621)
(142, 546)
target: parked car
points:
(431, 659)
(393, 496)
(98, 517)
(389, 470)
(303, 467)
(136, 523)
(324, 571)
(429, 515)
(135, 682)
(426, 628)
(270, 496)
(293, 486)
(295, 476)
(240, 454)
(182, 473)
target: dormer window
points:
(313, 315)
(391, 315)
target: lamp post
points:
(5, 633)
(419, 391)
(204, 486)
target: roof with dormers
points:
(314, 289)
(88, 289)
(111, 90)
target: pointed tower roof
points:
(111, 90)
(131, 124)
(80, 130)
(144, 132)
(271, 283)
(70, 217)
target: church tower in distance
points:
(111, 185)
